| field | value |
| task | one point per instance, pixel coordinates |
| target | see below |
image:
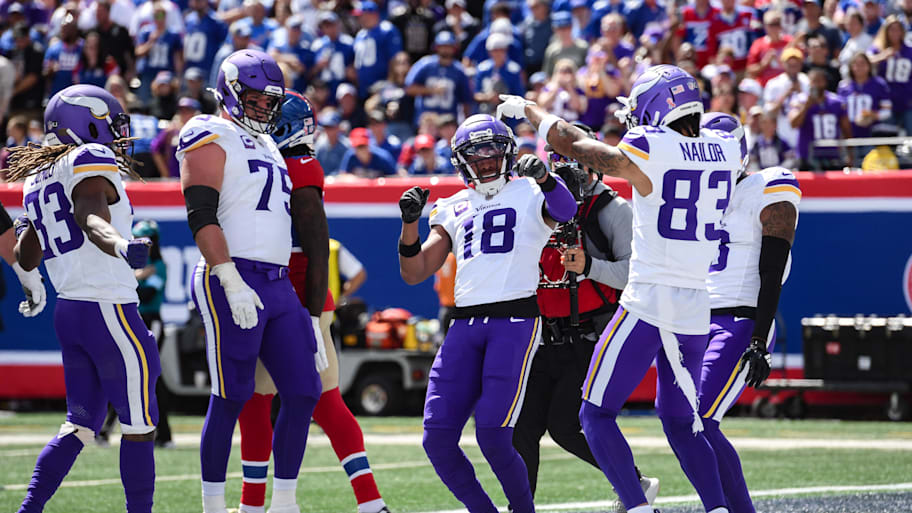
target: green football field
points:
(781, 459)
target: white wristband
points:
(120, 247)
(545, 126)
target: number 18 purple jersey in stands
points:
(822, 122)
(676, 228)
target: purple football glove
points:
(20, 224)
(135, 252)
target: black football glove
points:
(531, 166)
(412, 203)
(758, 360)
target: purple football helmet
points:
(82, 114)
(728, 124)
(483, 153)
(245, 72)
(661, 95)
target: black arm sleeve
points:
(774, 254)
(5, 221)
(202, 206)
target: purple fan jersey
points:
(822, 122)
(872, 95)
(769, 152)
(897, 71)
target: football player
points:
(497, 228)
(237, 191)
(35, 295)
(758, 230)
(682, 179)
(77, 215)
(308, 267)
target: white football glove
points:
(242, 299)
(320, 359)
(35, 294)
(512, 107)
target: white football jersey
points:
(254, 200)
(78, 269)
(676, 227)
(734, 278)
(497, 241)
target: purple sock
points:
(215, 442)
(693, 451)
(612, 453)
(52, 466)
(455, 470)
(730, 472)
(497, 446)
(137, 473)
(289, 439)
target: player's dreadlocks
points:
(28, 160)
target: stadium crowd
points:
(390, 79)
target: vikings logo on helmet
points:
(245, 71)
(730, 125)
(483, 153)
(298, 124)
(82, 114)
(661, 95)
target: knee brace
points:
(84, 434)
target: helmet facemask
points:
(484, 166)
(257, 118)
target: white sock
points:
(283, 492)
(720, 509)
(251, 509)
(373, 506)
(213, 497)
(641, 509)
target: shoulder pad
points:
(94, 157)
(636, 141)
(202, 130)
(780, 179)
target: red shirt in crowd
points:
(760, 49)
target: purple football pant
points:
(721, 386)
(621, 358)
(283, 339)
(109, 356)
(482, 366)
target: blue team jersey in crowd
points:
(374, 49)
(381, 163)
(429, 73)
(203, 38)
(66, 59)
(476, 51)
(304, 54)
(161, 56)
(441, 166)
(145, 128)
(505, 79)
(341, 54)
(259, 34)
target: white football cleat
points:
(650, 486)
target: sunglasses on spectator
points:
(774, 23)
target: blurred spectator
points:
(16, 135)
(117, 86)
(724, 99)
(116, 12)
(620, 52)
(477, 52)
(428, 162)
(7, 85)
(164, 96)
(164, 146)
(858, 40)
(350, 107)
(749, 95)
(693, 28)
(763, 58)
(769, 149)
(65, 8)
(446, 129)
(295, 53)
(415, 22)
(205, 35)
(536, 83)
(15, 17)
(497, 75)
(240, 40)
(512, 7)
(815, 25)
(892, 59)
(643, 15)
(195, 88)
(377, 126)
(330, 147)
(159, 49)
(94, 65)
(600, 88)
(428, 123)
(820, 114)
(781, 91)
(459, 22)
(872, 11)
(817, 58)
(536, 34)
(261, 27)
(438, 82)
(334, 54)
(145, 16)
(62, 57)
(752, 125)
(564, 46)
(114, 39)
(527, 145)
(866, 97)
(366, 160)
(582, 14)
(562, 96)
(27, 58)
(375, 46)
(142, 126)
(390, 97)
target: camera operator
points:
(583, 268)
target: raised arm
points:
(417, 261)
